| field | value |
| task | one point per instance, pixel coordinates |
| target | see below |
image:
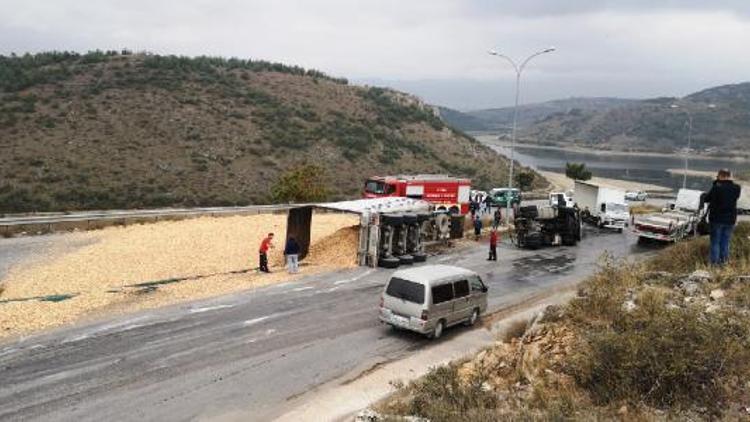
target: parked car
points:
(431, 298)
(636, 195)
(500, 197)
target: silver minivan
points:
(430, 298)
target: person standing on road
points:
(265, 245)
(291, 251)
(498, 217)
(493, 245)
(488, 203)
(477, 227)
(722, 214)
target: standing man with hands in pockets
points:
(722, 214)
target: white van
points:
(430, 298)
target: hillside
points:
(122, 130)
(500, 119)
(721, 124)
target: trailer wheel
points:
(390, 262)
(420, 257)
(409, 218)
(391, 219)
(406, 259)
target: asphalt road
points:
(253, 351)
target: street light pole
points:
(689, 138)
(518, 69)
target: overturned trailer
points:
(392, 231)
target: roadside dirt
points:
(122, 269)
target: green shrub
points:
(304, 183)
(577, 171)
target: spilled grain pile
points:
(209, 256)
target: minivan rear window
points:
(406, 290)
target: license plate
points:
(399, 320)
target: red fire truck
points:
(449, 193)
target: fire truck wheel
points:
(409, 218)
(406, 259)
(420, 257)
(391, 219)
(389, 262)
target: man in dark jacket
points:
(722, 214)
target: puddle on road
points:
(539, 264)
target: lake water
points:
(639, 168)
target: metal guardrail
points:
(49, 222)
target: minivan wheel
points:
(473, 318)
(438, 331)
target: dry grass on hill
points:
(668, 339)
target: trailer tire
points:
(389, 262)
(420, 257)
(406, 259)
(422, 217)
(409, 218)
(391, 219)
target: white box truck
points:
(600, 206)
(743, 204)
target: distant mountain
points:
(121, 130)
(500, 119)
(721, 124)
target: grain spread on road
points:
(207, 248)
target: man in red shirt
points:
(493, 245)
(265, 245)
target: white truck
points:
(677, 221)
(560, 199)
(743, 204)
(602, 207)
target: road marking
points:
(256, 320)
(209, 308)
(333, 289)
(8, 351)
(270, 331)
(445, 258)
(349, 280)
(299, 289)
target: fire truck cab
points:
(447, 193)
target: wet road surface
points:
(253, 351)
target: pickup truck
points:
(677, 221)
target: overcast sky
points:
(434, 48)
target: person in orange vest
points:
(493, 245)
(265, 245)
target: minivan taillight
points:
(424, 315)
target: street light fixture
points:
(519, 70)
(689, 138)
